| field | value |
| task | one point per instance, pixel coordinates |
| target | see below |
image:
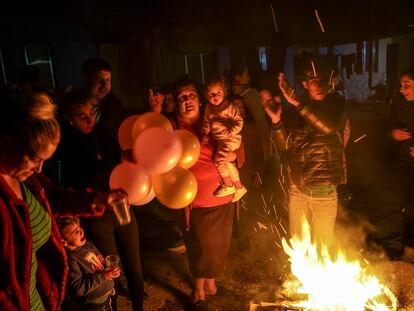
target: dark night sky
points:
(109, 20)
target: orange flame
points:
(325, 282)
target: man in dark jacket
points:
(97, 77)
(311, 135)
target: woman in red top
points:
(208, 230)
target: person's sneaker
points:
(239, 193)
(177, 248)
(224, 191)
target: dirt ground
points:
(252, 274)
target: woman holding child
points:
(208, 227)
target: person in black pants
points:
(86, 157)
(402, 133)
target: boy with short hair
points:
(311, 133)
(90, 284)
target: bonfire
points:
(325, 281)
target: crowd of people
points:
(46, 261)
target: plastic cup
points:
(121, 210)
(112, 261)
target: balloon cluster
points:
(162, 157)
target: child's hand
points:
(155, 101)
(110, 274)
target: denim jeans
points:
(320, 213)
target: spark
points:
(330, 78)
(313, 68)
(360, 138)
(291, 93)
(281, 185)
(274, 208)
(244, 205)
(277, 244)
(274, 18)
(260, 215)
(260, 179)
(277, 231)
(261, 226)
(272, 143)
(264, 202)
(319, 21)
(281, 225)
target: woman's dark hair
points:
(409, 73)
(185, 82)
(28, 123)
(73, 99)
(93, 65)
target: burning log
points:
(283, 306)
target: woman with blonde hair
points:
(33, 263)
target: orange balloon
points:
(175, 189)
(150, 196)
(191, 148)
(148, 120)
(125, 132)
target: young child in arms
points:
(223, 121)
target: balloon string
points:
(187, 218)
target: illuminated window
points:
(262, 57)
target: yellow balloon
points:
(191, 148)
(175, 189)
(147, 120)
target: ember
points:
(325, 282)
